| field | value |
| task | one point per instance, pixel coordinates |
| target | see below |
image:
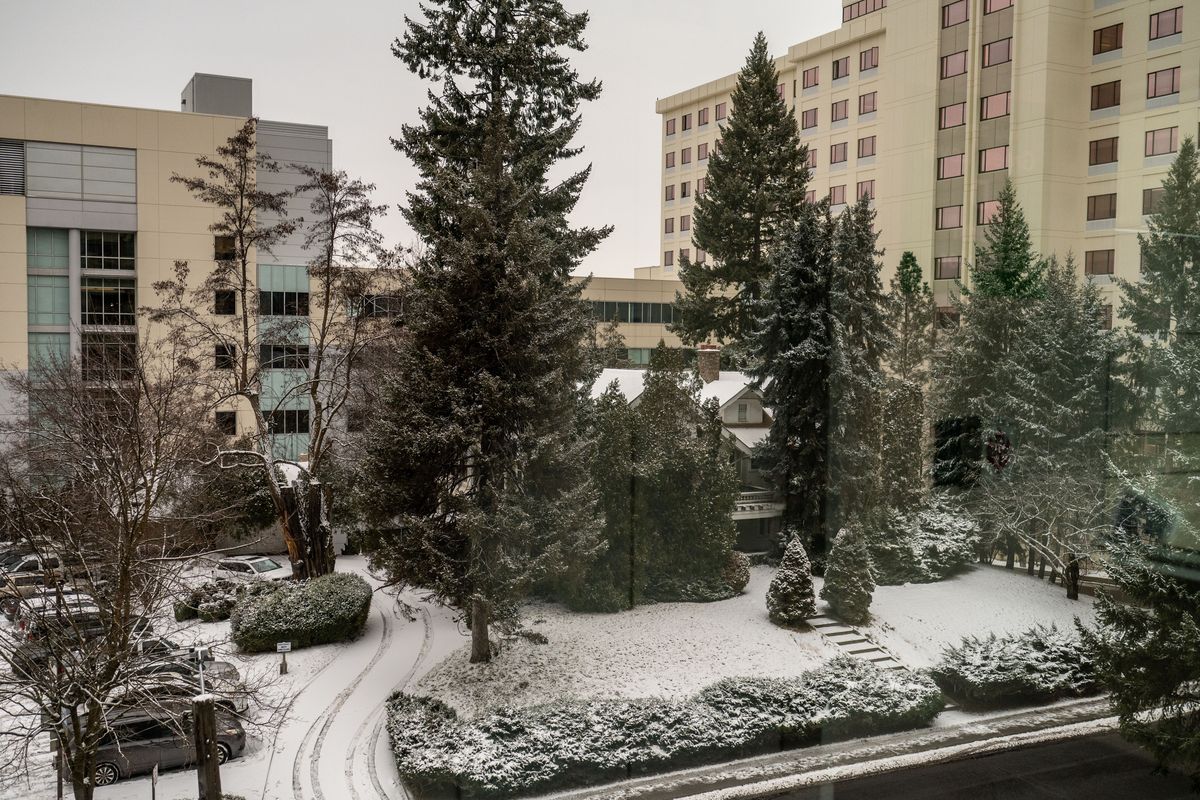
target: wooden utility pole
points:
(208, 764)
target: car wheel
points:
(223, 753)
(106, 774)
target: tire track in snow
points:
(321, 725)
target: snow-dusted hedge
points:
(1040, 664)
(514, 751)
(926, 546)
(332, 608)
(211, 601)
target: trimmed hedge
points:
(332, 608)
(926, 546)
(1038, 665)
(514, 751)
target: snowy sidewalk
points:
(763, 775)
(854, 642)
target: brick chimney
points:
(708, 362)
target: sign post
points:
(283, 648)
(154, 783)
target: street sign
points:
(283, 647)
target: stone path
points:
(852, 641)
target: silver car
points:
(136, 742)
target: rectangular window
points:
(685, 223)
(226, 423)
(670, 160)
(810, 196)
(840, 110)
(810, 77)
(841, 67)
(856, 10)
(107, 301)
(1163, 82)
(952, 116)
(289, 421)
(283, 356)
(671, 127)
(949, 217)
(685, 122)
(702, 116)
(810, 158)
(701, 186)
(947, 268)
(1102, 206)
(225, 302)
(986, 211)
(108, 357)
(866, 103)
(685, 189)
(46, 248)
(992, 159)
(866, 189)
(224, 356)
(719, 111)
(1099, 262)
(224, 248)
(808, 119)
(669, 258)
(868, 59)
(951, 166)
(669, 225)
(669, 193)
(283, 304)
(954, 64)
(1105, 40)
(954, 14)
(1150, 200)
(685, 155)
(1162, 141)
(837, 195)
(995, 105)
(946, 318)
(382, 306)
(990, 6)
(1102, 151)
(1105, 317)
(866, 147)
(702, 152)
(1106, 95)
(837, 153)
(997, 52)
(106, 250)
(49, 299)
(743, 412)
(1166, 23)
(779, 90)
(701, 257)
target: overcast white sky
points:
(329, 63)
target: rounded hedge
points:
(332, 608)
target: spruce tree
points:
(1006, 265)
(755, 186)
(910, 317)
(790, 597)
(475, 453)
(849, 579)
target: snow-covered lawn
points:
(663, 650)
(916, 621)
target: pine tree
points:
(1006, 265)
(790, 597)
(475, 454)
(910, 317)
(755, 186)
(849, 581)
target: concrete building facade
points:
(929, 106)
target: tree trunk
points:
(204, 728)
(1009, 545)
(1053, 575)
(481, 646)
(1042, 568)
(306, 530)
(1071, 578)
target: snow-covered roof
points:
(632, 382)
(748, 437)
(726, 387)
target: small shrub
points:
(1038, 665)
(332, 608)
(211, 601)
(790, 597)
(736, 573)
(515, 751)
(848, 577)
(926, 546)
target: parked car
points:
(15, 587)
(256, 567)
(136, 742)
(19, 561)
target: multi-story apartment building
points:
(90, 220)
(929, 106)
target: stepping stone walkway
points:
(854, 642)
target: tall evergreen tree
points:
(475, 453)
(790, 597)
(755, 186)
(910, 317)
(849, 577)
(1006, 265)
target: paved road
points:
(1102, 767)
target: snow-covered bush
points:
(736, 573)
(332, 608)
(211, 601)
(848, 577)
(1040, 664)
(926, 546)
(515, 751)
(790, 597)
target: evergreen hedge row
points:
(332, 608)
(517, 751)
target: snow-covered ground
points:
(662, 650)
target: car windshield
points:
(266, 565)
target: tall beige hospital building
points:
(929, 106)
